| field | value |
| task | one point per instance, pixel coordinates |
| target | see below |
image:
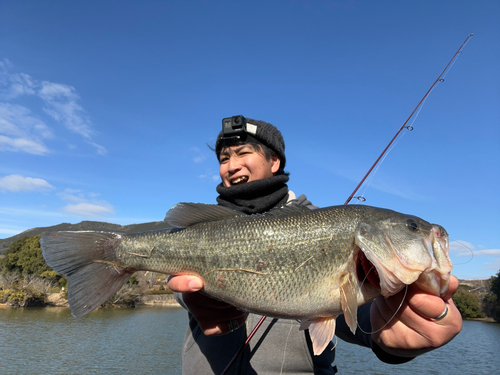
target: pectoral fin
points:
(321, 331)
(349, 300)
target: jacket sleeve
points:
(301, 200)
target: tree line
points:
(26, 280)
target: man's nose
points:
(233, 165)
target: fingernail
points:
(195, 285)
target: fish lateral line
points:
(138, 255)
(237, 269)
(107, 262)
(117, 266)
(148, 255)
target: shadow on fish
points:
(289, 263)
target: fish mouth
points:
(391, 265)
(366, 271)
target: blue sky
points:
(106, 108)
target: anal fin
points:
(321, 331)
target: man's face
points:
(242, 163)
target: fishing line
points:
(468, 248)
(284, 351)
(372, 175)
(392, 317)
(455, 58)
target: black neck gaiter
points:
(255, 196)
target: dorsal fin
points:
(183, 215)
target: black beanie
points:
(265, 133)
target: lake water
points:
(149, 340)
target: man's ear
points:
(276, 162)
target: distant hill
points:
(84, 225)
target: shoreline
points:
(166, 300)
(162, 300)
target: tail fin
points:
(88, 260)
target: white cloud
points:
(463, 248)
(101, 150)
(487, 253)
(71, 195)
(493, 266)
(200, 157)
(15, 84)
(61, 102)
(17, 183)
(63, 107)
(22, 145)
(22, 84)
(83, 206)
(21, 131)
(209, 174)
(93, 210)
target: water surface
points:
(149, 340)
(107, 341)
(476, 350)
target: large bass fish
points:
(288, 263)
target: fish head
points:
(405, 249)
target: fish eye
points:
(412, 224)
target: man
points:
(252, 159)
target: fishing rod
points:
(438, 79)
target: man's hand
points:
(414, 330)
(213, 316)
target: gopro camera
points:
(232, 126)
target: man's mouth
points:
(239, 180)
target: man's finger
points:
(185, 283)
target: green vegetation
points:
(25, 277)
(25, 256)
(482, 300)
(467, 303)
(493, 299)
(26, 280)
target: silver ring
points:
(233, 325)
(443, 314)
